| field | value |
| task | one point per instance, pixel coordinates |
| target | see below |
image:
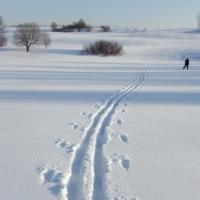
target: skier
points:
(186, 63)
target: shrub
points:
(104, 48)
(105, 28)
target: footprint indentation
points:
(124, 138)
(61, 143)
(75, 126)
(125, 163)
(48, 175)
(90, 115)
(119, 121)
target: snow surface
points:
(85, 127)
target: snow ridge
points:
(85, 181)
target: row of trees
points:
(80, 25)
(71, 27)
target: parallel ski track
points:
(94, 138)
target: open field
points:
(86, 127)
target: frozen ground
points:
(97, 128)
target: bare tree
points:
(80, 25)
(54, 26)
(198, 20)
(46, 39)
(3, 39)
(27, 35)
(1, 23)
(105, 28)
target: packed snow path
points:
(87, 172)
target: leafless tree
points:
(80, 25)
(1, 23)
(198, 20)
(54, 26)
(27, 35)
(105, 28)
(46, 39)
(3, 39)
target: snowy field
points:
(81, 127)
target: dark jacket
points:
(187, 62)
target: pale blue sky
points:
(143, 13)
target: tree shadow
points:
(74, 52)
(192, 32)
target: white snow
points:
(79, 127)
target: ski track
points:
(87, 172)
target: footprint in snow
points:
(119, 121)
(57, 177)
(125, 163)
(75, 126)
(48, 176)
(52, 176)
(61, 144)
(83, 113)
(123, 111)
(71, 149)
(125, 104)
(90, 115)
(65, 145)
(124, 138)
(96, 106)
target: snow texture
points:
(79, 127)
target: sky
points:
(138, 13)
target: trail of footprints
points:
(60, 183)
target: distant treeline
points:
(76, 26)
